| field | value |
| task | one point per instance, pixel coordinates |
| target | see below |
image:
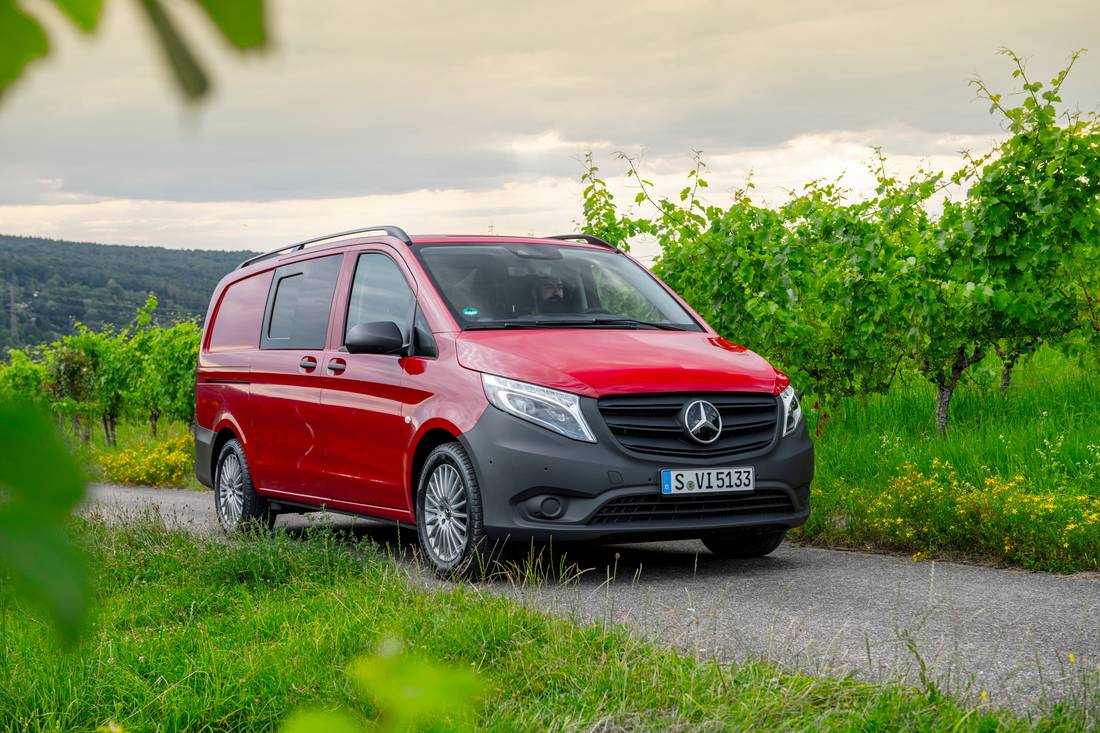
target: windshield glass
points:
(548, 286)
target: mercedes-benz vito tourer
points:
(490, 388)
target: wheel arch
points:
(225, 431)
(430, 437)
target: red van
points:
(490, 388)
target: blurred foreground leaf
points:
(241, 22)
(410, 691)
(321, 722)
(85, 13)
(22, 40)
(188, 72)
(40, 485)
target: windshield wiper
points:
(571, 323)
(494, 325)
(637, 322)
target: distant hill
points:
(47, 284)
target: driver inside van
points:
(550, 295)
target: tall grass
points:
(196, 635)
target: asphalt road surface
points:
(1007, 633)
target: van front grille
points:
(650, 424)
(658, 508)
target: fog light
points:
(550, 507)
(545, 507)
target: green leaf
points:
(40, 484)
(320, 722)
(407, 689)
(22, 40)
(50, 569)
(85, 13)
(240, 21)
(36, 469)
(188, 72)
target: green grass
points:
(190, 634)
(1016, 480)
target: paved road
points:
(1006, 632)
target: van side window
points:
(240, 315)
(379, 292)
(299, 304)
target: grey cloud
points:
(361, 98)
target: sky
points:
(473, 116)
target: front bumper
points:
(606, 492)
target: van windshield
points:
(499, 286)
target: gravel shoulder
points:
(1008, 633)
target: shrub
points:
(168, 463)
(931, 510)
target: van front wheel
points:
(448, 514)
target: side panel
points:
(284, 423)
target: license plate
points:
(707, 480)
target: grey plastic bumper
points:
(518, 463)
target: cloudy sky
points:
(465, 115)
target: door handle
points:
(308, 363)
(337, 366)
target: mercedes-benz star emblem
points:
(702, 421)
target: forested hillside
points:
(47, 284)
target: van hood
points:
(598, 362)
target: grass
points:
(1015, 481)
(191, 634)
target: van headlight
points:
(792, 411)
(550, 408)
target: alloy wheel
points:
(231, 490)
(445, 514)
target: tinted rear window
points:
(240, 315)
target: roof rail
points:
(397, 232)
(584, 238)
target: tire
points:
(238, 506)
(447, 490)
(742, 545)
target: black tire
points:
(742, 545)
(254, 511)
(468, 558)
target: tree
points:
(163, 380)
(1033, 221)
(1010, 265)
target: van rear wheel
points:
(236, 502)
(448, 514)
(740, 545)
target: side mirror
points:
(377, 337)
